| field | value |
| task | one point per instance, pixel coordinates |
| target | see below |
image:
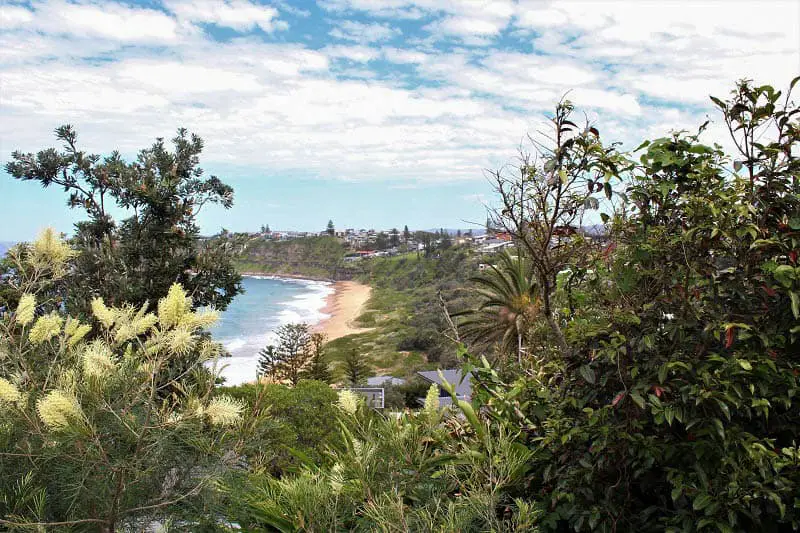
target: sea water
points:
(250, 321)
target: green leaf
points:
(784, 275)
(718, 102)
(662, 373)
(702, 501)
(562, 175)
(795, 298)
(587, 373)
(607, 190)
(719, 427)
(637, 399)
(745, 364)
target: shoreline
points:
(347, 302)
(249, 274)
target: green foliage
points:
(356, 369)
(318, 368)
(394, 474)
(288, 359)
(509, 304)
(673, 405)
(286, 424)
(87, 439)
(139, 258)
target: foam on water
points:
(249, 323)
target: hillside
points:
(312, 257)
(405, 311)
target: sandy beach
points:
(344, 305)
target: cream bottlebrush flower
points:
(45, 328)
(9, 392)
(103, 314)
(173, 308)
(202, 319)
(75, 331)
(209, 350)
(348, 401)
(181, 341)
(58, 410)
(337, 478)
(98, 361)
(224, 411)
(51, 251)
(432, 400)
(26, 309)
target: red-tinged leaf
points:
(690, 437)
(618, 399)
(729, 335)
(793, 256)
(658, 390)
(769, 290)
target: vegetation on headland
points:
(652, 387)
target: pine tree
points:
(356, 368)
(268, 361)
(287, 360)
(330, 229)
(318, 368)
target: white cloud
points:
(452, 111)
(12, 17)
(364, 33)
(111, 21)
(240, 15)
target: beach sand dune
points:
(344, 306)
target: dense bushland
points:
(645, 381)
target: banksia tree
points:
(96, 430)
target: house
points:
(453, 376)
(383, 381)
(495, 246)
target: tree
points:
(678, 386)
(318, 368)
(508, 307)
(543, 201)
(330, 229)
(86, 441)
(287, 359)
(445, 241)
(406, 236)
(381, 241)
(137, 259)
(394, 238)
(268, 361)
(356, 368)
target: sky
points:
(372, 113)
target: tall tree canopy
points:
(137, 259)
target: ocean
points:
(250, 321)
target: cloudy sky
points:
(370, 112)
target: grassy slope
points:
(405, 312)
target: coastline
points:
(250, 274)
(344, 306)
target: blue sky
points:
(369, 112)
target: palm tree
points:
(510, 302)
